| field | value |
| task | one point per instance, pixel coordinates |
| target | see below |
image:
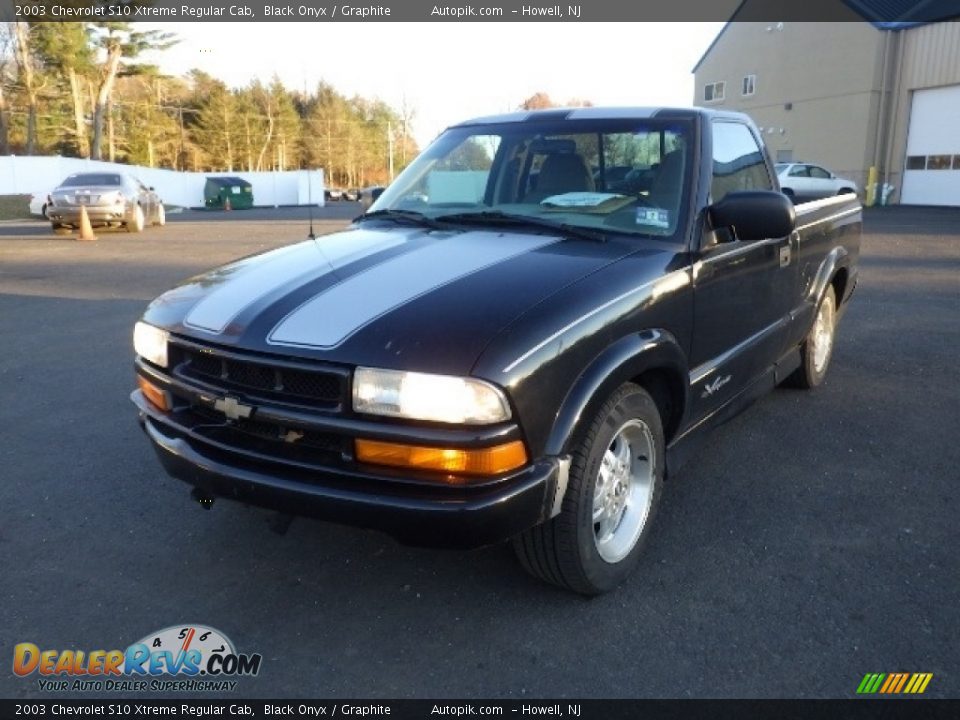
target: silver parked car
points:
(805, 181)
(111, 200)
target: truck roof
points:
(602, 113)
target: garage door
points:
(931, 175)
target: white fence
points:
(25, 175)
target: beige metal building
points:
(848, 96)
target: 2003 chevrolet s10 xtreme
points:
(518, 340)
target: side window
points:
(738, 162)
(800, 171)
(819, 173)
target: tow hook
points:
(203, 497)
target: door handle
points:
(784, 256)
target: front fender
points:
(620, 362)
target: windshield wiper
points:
(498, 218)
(409, 217)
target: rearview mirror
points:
(754, 214)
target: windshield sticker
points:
(654, 217)
(592, 202)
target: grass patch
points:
(14, 207)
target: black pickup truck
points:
(518, 340)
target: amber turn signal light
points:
(480, 461)
(155, 395)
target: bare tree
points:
(119, 44)
(6, 43)
(29, 80)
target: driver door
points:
(742, 290)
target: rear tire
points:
(817, 348)
(136, 225)
(614, 486)
(59, 229)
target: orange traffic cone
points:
(226, 205)
(86, 229)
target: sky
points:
(450, 72)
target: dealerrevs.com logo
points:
(177, 658)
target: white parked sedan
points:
(803, 181)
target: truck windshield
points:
(619, 176)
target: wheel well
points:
(787, 191)
(666, 388)
(845, 191)
(839, 283)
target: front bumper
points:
(415, 514)
(98, 214)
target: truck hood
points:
(393, 297)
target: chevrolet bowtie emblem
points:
(232, 409)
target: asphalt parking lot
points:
(812, 540)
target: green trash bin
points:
(219, 191)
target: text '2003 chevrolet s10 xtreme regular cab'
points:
(517, 340)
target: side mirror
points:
(151, 188)
(754, 214)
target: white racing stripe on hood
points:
(336, 313)
(262, 276)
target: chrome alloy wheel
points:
(624, 491)
(822, 335)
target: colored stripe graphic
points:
(894, 683)
(918, 683)
(903, 679)
(278, 268)
(336, 313)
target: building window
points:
(956, 162)
(916, 162)
(713, 92)
(749, 86)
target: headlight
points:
(150, 343)
(418, 396)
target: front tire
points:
(161, 218)
(614, 486)
(136, 225)
(817, 348)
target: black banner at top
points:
(322, 11)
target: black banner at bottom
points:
(434, 709)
